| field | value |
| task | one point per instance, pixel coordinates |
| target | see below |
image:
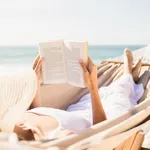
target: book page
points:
(54, 64)
(74, 52)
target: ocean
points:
(19, 58)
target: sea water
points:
(20, 58)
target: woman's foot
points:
(136, 70)
(128, 61)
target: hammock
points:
(108, 71)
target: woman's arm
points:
(90, 77)
(37, 67)
(97, 107)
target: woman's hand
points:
(37, 67)
(90, 74)
(90, 77)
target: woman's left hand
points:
(89, 74)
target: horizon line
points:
(36, 45)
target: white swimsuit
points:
(117, 98)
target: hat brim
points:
(16, 95)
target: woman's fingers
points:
(39, 65)
(90, 64)
(82, 64)
(85, 73)
(36, 61)
(90, 61)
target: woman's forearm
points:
(97, 108)
(90, 78)
(37, 99)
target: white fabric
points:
(117, 98)
(120, 96)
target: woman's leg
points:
(127, 70)
(136, 70)
(128, 66)
(123, 91)
(125, 83)
(128, 61)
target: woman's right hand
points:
(37, 67)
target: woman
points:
(101, 104)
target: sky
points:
(101, 22)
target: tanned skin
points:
(31, 126)
(90, 78)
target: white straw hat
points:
(16, 95)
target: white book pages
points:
(74, 52)
(53, 68)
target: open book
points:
(61, 61)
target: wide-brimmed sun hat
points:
(16, 95)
